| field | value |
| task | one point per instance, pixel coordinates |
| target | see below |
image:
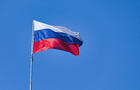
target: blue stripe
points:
(48, 33)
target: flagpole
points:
(31, 63)
(31, 71)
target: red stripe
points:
(53, 43)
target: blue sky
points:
(109, 58)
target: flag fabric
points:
(55, 37)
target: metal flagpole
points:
(31, 71)
(31, 64)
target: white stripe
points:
(40, 26)
(66, 30)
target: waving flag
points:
(55, 37)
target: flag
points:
(55, 37)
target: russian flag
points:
(55, 37)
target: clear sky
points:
(109, 58)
